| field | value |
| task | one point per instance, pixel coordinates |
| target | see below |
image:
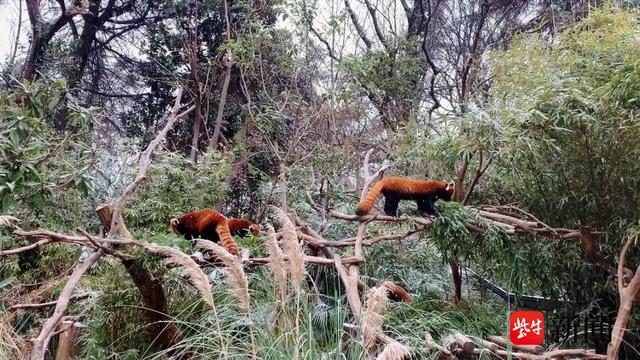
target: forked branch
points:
(628, 294)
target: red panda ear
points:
(174, 224)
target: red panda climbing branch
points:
(206, 224)
(242, 227)
(394, 189)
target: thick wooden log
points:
(67, 342)
(491, 346)
(525, 356)
(431, 344)
(571, 353)
(465, 343)
(533, 349)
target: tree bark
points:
(193, 64)
(163, 333)
(226, 63)
(91, 25)
(67, 343)
(457, 281)
(197, 121)
(223, 100)
(282, 181)
(41, 34)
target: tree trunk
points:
(223, 100)
(161, 328)
(67, 343)
(282, 185)
(162, 331)
(197, 121)
(91, 25)
(41, 34)
(226, 63)
(193, 65)
(457, 281)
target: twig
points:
(368, 177)
(145, 161)
(29, 247)
(48, 304)
(42, 341)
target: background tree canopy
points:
(530, 107)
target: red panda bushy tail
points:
(225, 237)
(367, 204)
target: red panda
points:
(206, 224)
(242, 227)
(396, 292)
(394, 189)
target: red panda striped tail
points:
(225, 237)
(365, 206)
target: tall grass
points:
(12, 346)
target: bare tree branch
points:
(628, 295)
(376, 26)
(42, 341)
(357, 25)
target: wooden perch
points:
(431, 344)
(465, 343)
(511, 220)
(352, 260)
(532, 349)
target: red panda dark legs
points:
(426, 204)
(391, 204)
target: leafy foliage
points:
(178, 186)
(35, 159)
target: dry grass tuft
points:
(237, 278)
(8, 220)
(394, 351)
(292, 249)
(12, 345)
(372, 317)
(277, 264)
(196, 277)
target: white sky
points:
(9, 19)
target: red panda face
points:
(450, 189)
(255, 229)
(174, 225)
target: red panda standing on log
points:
(206, 224)
(424, 192)
(242, 227)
